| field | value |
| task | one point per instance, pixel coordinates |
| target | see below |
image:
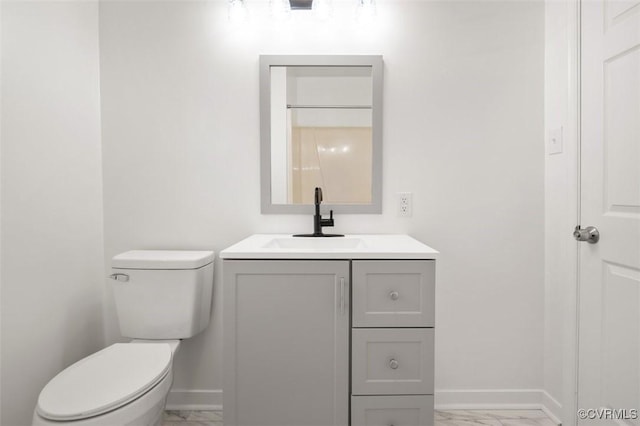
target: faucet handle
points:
(328, 222)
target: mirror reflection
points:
(321, 133)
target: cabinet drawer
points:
(393, 293)
(392, 361)
(405, 410)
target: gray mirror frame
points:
(373, 61)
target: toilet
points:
(161, 297)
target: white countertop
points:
(354, 246)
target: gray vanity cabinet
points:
(286, 342)
(299, 352)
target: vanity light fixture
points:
(280, 10)
(301, 4)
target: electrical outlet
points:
(405, 204)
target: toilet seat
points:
(105, 381)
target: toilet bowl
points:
(123, 384)
(161, 297)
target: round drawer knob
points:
(394, 295)
(393, 364)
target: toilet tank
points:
(162, 294)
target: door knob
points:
(589, 234)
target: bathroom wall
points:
(1, 4)
(52, 246)
(463, 131)
(560, 208)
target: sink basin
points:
(357, 246)
(316, 243)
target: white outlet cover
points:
(405, 204)
(555, 141)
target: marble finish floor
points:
(442, 417)
(192, 418)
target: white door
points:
(609, 308)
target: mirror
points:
(321, 126)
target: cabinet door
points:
(393, 293)
(286, 343)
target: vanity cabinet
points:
(286, 342)
(331, 341)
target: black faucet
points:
(318, 221)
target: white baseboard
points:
(195, 399)
(498, 399)
(467, 399)
(551, 407)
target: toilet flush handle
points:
(119, 277)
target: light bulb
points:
(237, 11)
(366, 11)
(321, 9)
(280, 9)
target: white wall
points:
(52, 247)
(463, 130)
(560, 209)
(1, 80)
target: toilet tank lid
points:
(162, 259)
